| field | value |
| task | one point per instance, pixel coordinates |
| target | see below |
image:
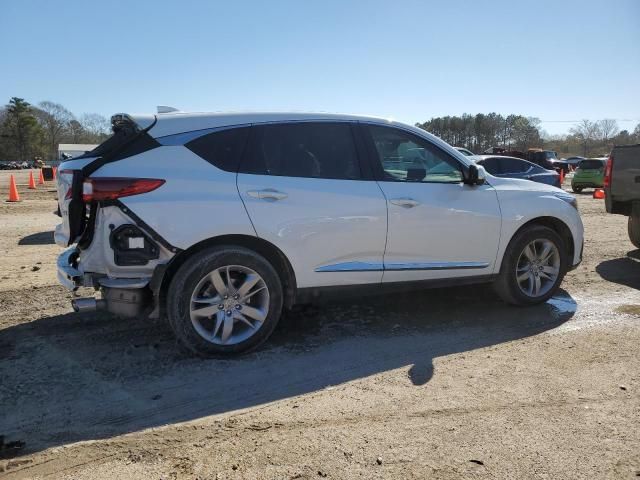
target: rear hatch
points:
(590, 169)
(129, 137)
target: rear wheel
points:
(633, 228)
(533, 266)
(224, 300)
(576, 189)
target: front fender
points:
(522, 207)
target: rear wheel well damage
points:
(164, 273)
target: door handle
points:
(268, 194)
(405, 202)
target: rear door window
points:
(303, 149)
(492, 165)
(512, 165)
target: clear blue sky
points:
(408, 60)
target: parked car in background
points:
(546, 159)
(219, 221)
(622, 187)
(589, 174)
(512, 167)
(465, 152)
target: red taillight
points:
(110, 188)
(607, 172)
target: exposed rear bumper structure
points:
(69, 276)
(127, 297)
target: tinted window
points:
(591, 164)
(222, 149)
(314, 150)
(491, 165)
(406, 157)
(512, 165)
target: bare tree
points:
(54, 119)
(95, 125)
(586, 132)
(607, 129)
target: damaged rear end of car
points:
(108, 248)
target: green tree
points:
(21, 129)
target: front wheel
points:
(224, 300)
(576, 189)
(533, 267)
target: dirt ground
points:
(442, 384)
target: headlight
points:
(567, 197)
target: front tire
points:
(224, 300)
(576, 189)
(533, 266)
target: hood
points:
(520, 184)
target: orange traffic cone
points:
(598, 193)
(53, 170)
(561, 176)
(32, 182)
(14, 196)
(41, 178)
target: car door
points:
(439, 227)
(305, 191)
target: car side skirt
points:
(322, 294)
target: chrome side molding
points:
(394, 267)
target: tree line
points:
(516, 132)
(31, 131)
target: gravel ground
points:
(446, 383)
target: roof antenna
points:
(166, 109)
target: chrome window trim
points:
(396, 267)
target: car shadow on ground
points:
(40, 238)
(625, 270)
(88, 376)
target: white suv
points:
(219, 221)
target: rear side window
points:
(312, 150)
(222, 149)
(511, 165)
(492, 165)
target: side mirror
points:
(476, 175)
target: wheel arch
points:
(269, 251)
(555, 224)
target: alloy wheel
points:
(229, 305)
(538, 267)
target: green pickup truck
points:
(622, 187)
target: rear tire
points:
(518, 272)
(208, 308)
(576, 189)
(633, 227)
